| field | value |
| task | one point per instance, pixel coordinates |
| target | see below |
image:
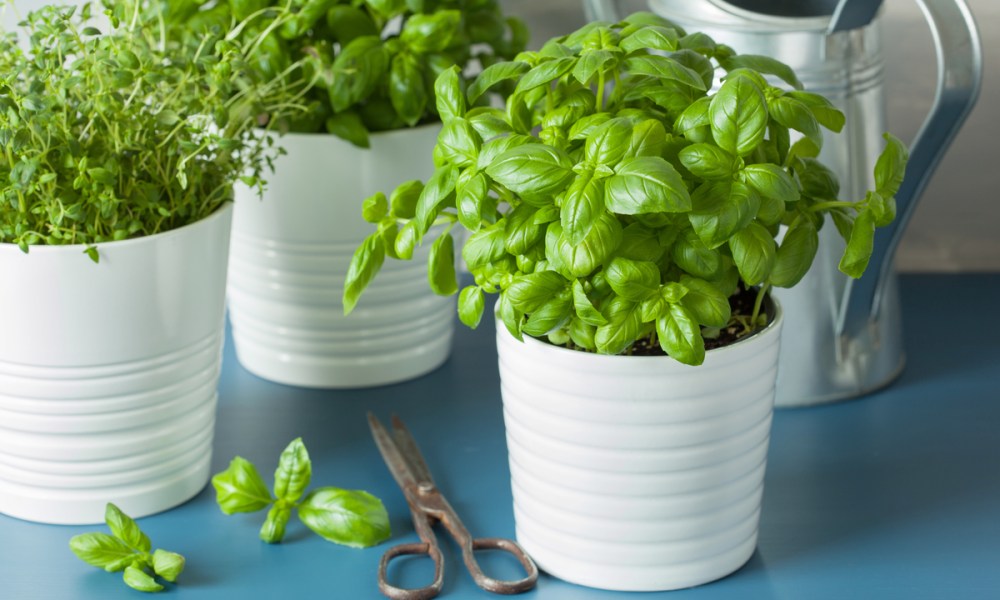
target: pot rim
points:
(219, 213)
(771, 329)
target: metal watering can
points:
(843, 337)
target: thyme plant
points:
(617, 199)
(120, 134)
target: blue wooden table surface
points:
(896, 495)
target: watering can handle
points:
(959, 57)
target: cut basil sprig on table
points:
(127, 549)
(616, 199)
(349, 517)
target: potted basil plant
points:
(119, 156)
(632, 223)
(371, 124)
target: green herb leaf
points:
(126, 529)
(633, 280)
(240, 488)
(273, 529)
(494, 74)
(429, 33)
(582, 259)
(484, 247)
(771, 181)
(582, 205)
(544, 73)
(795, 254)
(471, 193)
(550, 316)
(721, 209)
(294, 472)
(528, 293)
(350, 517)
(891, 167)
(763, 64)
(663, 67)
(168, 565)
(448, 95)
(138, 579)
(650, 38)
(439, 189)
(738, 115)
(535, 171)
(441, 266)
(403, 201)
(459, 142)
(753, 250)
(648, 139)
(793, 114)
(470, 306)
(592, 63)
(365, 264)
(646, 184)
(349, 127)
(695, 257)
(584, 308)
(822, 109)
(622, 328)
(680, 336)
(708, 161)
(705, 303)
(375, 208)
(406, 89)
(102, 550)
(859, 247)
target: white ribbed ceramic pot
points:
(108, 372)
(638, 473)
(290, 254)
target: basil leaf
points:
(357, 71)
(350, 517)
(581, 259)
(349, 127)
(102, 550)
(489, 122)
(527, 293)
(406, 241)
(680, 336)
(608, 142)
(738, 115)
(536, 172)
(450, 101)
(662, 67)
(126, 529)
(375, 207)
(459, 142)
(822, 109)
(293, 473)
(168, 565)
(817, 180)
(441, 266)
(240, 488)
(582, 205)
(550, 316)
(494, 74)
(648, 138)
(795, 254)
(403, 200)
(520, 230)
(891, 166)
(646, 184)
(763, 64)
(591, 63)
(632, 280)
(695, 257)
(583, 334)
(859, 247)
(706, 303)
(640, 243)
(584, 307)
(273, 529)
(771, 181)
(471, 191)
(663, 39)
(793, 114)
(622, 329)
(485, 246)
(347, 23)
(470, 306)
(137, 579)
(883, 209)
(497, 146)
(365, 264)
(406, 89)
(720, 209)
(545, 72)
(386, 8)
(585, 126)
(753, 251)
(430, 33)
(708, 161)
(693, 123)
(438, 191)
(698, 42)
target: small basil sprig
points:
(128, 549)
(349, 517)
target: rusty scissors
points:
(428, 507)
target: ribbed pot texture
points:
(638, 473)
(290, 254)
(108, 373)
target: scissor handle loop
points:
(397, 593)
(500, 586)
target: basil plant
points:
(371, 64)
(618, 200)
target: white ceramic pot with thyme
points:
(371, 125)
(628, 219)
(114, 227)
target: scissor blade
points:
(408, 446)
(391, 454)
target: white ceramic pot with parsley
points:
(370, 125)
(114, 239)
(628, 218)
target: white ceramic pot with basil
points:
(291, 250)
(638, 472)
(108, 372)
